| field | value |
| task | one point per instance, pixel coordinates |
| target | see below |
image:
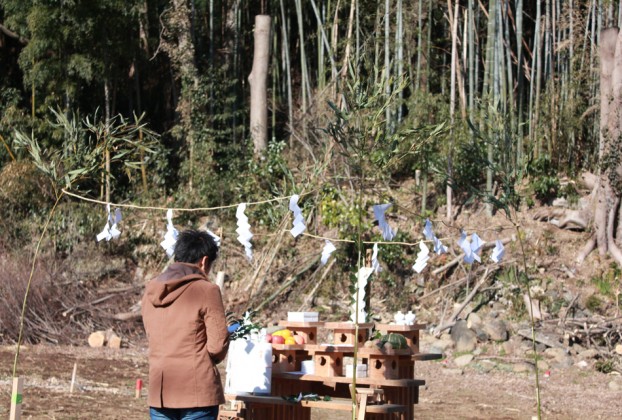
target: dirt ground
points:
(106, 381)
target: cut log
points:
(97, 339)
(114, 342)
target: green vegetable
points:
(397, 341)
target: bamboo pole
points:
(387, 65)
(288, 72)
(452, 103)
(519, 78)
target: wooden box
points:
(411, 332)
(307, 330)
(345, 332)
(383, 367)
(328, 364)
(286, 360)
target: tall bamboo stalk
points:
(387, 64)
(535, 85)
(520, 84)
(285, 41)
(399, 54)
(303, 64)
(419, 44)
(452, 103)
(346, 55)
(324, 38)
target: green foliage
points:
(514, 282)
(23, 190)
(269, 177)
(79, 161)
(593, 303)
(338, 211)
(605, 366)
(608, 283)
(419, 139)
(570, 193)
(543, 179)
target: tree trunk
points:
(606, 194)
(257, 81)
(181, 52)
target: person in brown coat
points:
(187, 332)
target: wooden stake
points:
(73, 377)
(220, 281)
(16, 399)
(139, 387)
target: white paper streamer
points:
(215, 237)
(110, 230)
(170, 237)
(422, 258)
(427, 230)
(374, 260)
(470, 248)
(362, 277)
(299, 220)
(439, 248)
(498, 252)
(244, 230)
(379, 211)
(329, 248)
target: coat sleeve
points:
(215, 324)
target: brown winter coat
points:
(185, 322)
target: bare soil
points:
(106, 381)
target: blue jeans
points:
(198, 413)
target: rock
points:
(576, 349)
(619, 348)
(588, 354)
(523, 367)
(462, 361)
(464, 338)
(438, 345)
(486, 365)
(496, 329)
(558, 357)
(543, 365)
(582, 364)
(513, 346)
(473, 321)
(560, 202)
(482, 336)
(615, 385)
(97, 339)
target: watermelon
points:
(397, 341)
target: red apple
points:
(277, 339)
(269, 338)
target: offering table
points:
(390, 390)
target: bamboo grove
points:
(513, 82)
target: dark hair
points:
(192, 245)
